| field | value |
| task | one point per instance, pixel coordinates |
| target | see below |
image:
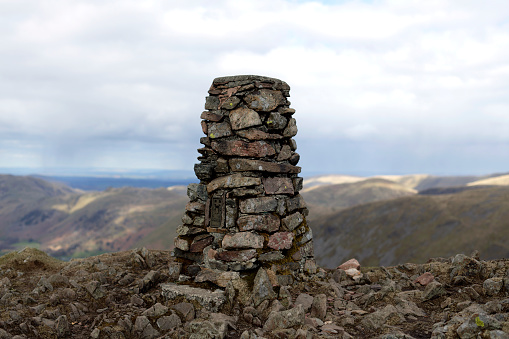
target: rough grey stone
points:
(185, 311)
(197, 192)
(493, 286)
(166, 323)
(144, 328)
(305, 300)
(285, 319)
(155, 311)
(243, 117)
(319, 307)
(211, 300)
(377, 319)
(292, 221)
(258, 205)
(262, 289)
(433, 290)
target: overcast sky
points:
(380, 87)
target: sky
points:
(379, 87)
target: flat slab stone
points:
(240, 165)
(211, 300)
(257, 149)
(232, 181)
(278, 185)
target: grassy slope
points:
(329, 199)
(412, 229)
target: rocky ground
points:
(139, 294)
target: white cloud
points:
(137, 71)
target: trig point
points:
(247, 212)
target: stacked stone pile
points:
(247, 212)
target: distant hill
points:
(69, 222)
(326, 199)
(383, 220)
(500, 180)
(414, 228)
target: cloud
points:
(116, 78)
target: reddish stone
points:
(219, 130)
(236, 255)
(200, 242)
(232, 181)
(261, 222)
(195, 207)
(425, 279)
(204, 127)
(286, 110)
(242, 240)
(206, 115)
(278, 185)
(258, 149)
(256, 134)
(241, 165)
(243, 118)
(264, 100)
(258, 205)
(281, 240)
(352, 263)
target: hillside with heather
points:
(382, 220)
(68, 222)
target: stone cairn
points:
(247, 212)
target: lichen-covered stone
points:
(197, 192)
(276, 121)
(243, 117)
(264, 100)
(261, 222)
(281, 240)
(242, 240)
(259, 205)
(219, 130)
(292, 221)
(182, 244)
